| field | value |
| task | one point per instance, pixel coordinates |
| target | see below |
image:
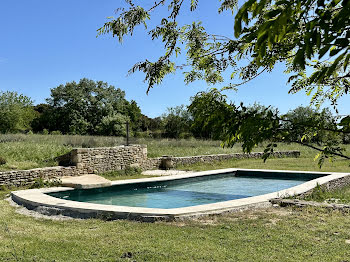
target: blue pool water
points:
(186, 192)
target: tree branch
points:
(246, 81)
(320, 150)
(308, 125)
(156, 5)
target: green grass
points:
(264, 235)
(321, 194)
(32, 151)
(304, 163)
(128, 173)
(261, 235)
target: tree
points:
(16, 112)
(87, 107)
(303, 34)
(251, 126)
(209, 111)
(301, 119)
(134, 113)
(46, 118)
(177, 121)
(113, 125)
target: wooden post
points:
(127, 133)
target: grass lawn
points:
(32, 151)
(321, 194)
(304, 163)
(120, 175)
(272, 234)
(261, 235)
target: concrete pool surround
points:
(37, 199)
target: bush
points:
(113, 125)
(346, 138)
(2, 161)
(40, 182)
(16, 112)
(143, 134)
(56, 133)
(157, 134)
(132, 170)
(185, 135)
(3, 188)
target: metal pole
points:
(127, 133)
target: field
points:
(272, 234)
(32, 151)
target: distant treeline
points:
(96, 108)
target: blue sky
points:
(47, 43)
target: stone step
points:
(85, 181)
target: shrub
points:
(16, 112)
(56, 132)
(132, 170)
(143, 134)
(3, 188)
(40, 182)
(2, 161)
(185, 135)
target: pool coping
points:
(37, 199)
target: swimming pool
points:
(188, 192)
(177, 196)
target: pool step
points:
(85, 181)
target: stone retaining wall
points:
(98, 160)
(27, 177)
(81, 161)
(102, 159)
(188, 160)
(331, 185)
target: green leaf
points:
(323, 51)
(346, 62)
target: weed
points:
(322, 194)
(3, 188)
(2, 161)
(128, 171)
(30, 151)
(40, 182)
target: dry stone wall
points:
(331, 185)
(188, 160)
(27, 177)
(81, 161)
(98, 160)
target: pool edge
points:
(36, 199)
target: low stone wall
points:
(188, 160)
(98, 160)
(331, 185)
(28, 177)
(102, 159)
(302, 204)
